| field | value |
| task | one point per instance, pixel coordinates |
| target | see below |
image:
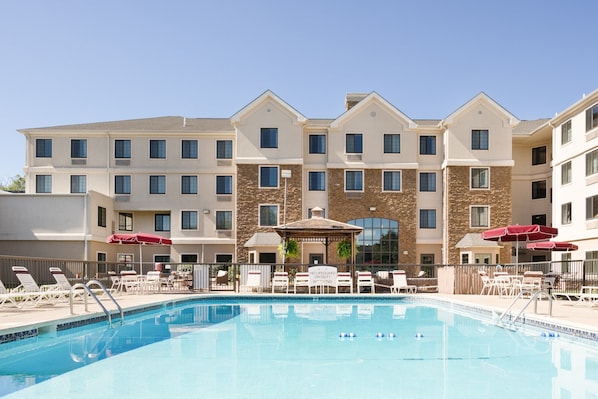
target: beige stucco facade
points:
(371, 164)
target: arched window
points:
(378, 243)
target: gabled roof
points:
(263, 239)
(475, 240)
(370, 98)
(266, 96)
(480, 98)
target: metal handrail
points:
(534, 298)
(88, 289)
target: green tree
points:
(16, 184)
(292, 250)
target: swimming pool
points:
(233, 348)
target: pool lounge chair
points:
(18, 299)
(63, 284)
(399, 283)
(364, 279)
(588, 294)
(253, 282)
(34, 293)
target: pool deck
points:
(564, 313)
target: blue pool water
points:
(299, 349)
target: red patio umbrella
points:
(552, 246)
(516, 233)
(138, 239)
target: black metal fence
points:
(570, 275)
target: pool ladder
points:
(88, 289)
(535, 295)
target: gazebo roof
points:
(316, 228)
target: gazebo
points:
(320, 229)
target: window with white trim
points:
(391, 180)
(480, 178)
(427, 218)
(566, 132)
(189, 149)
(566, 175)
(268, 176)
(268, 215)
(157, 184)
(392, 143)
(479, 139)
(188, 184)
(427, 182)
(479, 216)
(158, 149)
(354, 180)
(566, 213)
(189, 220)
(317, 181)
(224, 220)
(78, 183)
(43, 184)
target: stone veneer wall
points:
(399, 206)
(460, 197)
(250, 196)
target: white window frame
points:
(196, 220)
(259, 176)
(400, 172)
(362, 180)
(259, 215)
(471, 186)
(481, 226)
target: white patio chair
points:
(487, 283)
(301, 280)
(280, 280)
(344, 280)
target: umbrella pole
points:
(140, 259)
(517, 256)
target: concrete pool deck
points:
(564, 312)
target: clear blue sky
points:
(67, 62)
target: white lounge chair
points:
(364, 279)
(344, 280)
(302, 280)
(254, 278)
(588, 294)
(63, 284)
(280, 280)
(399, 283)
(34, 293)
(17, 299)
